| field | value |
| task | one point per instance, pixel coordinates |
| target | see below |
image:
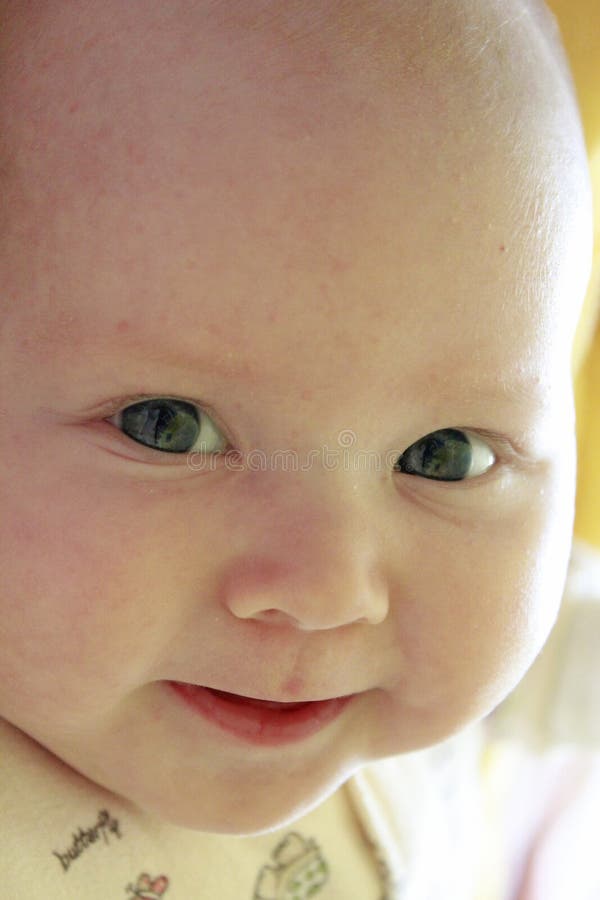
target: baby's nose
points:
(311, 562)
(279, 594)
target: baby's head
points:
(352, 238)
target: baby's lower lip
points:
(260, 722)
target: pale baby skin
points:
(341, 226)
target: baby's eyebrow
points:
(451, 383)
(444, 384)
(514, 386)
(200, 360)
(527, 389)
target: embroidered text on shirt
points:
(87, 836)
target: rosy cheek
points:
(54, 562)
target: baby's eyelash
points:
(112, 407)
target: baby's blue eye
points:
(173, 426)
(449, 454)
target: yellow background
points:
(579, 22)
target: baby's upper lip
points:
(259, 699)
(260, 696)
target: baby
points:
(288, 292)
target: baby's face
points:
(318, 248)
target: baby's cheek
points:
(486, 601)
(68, 596)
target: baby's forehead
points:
(437, 71)
(434, 59)
(283, 122)
(410, 38)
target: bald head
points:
(471, 101)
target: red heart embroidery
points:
(160, 884)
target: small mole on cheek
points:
(502, 248)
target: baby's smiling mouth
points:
(260, 722)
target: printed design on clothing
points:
(147, 888)
(85, 837)
(299, 871)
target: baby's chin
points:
(226, 813)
